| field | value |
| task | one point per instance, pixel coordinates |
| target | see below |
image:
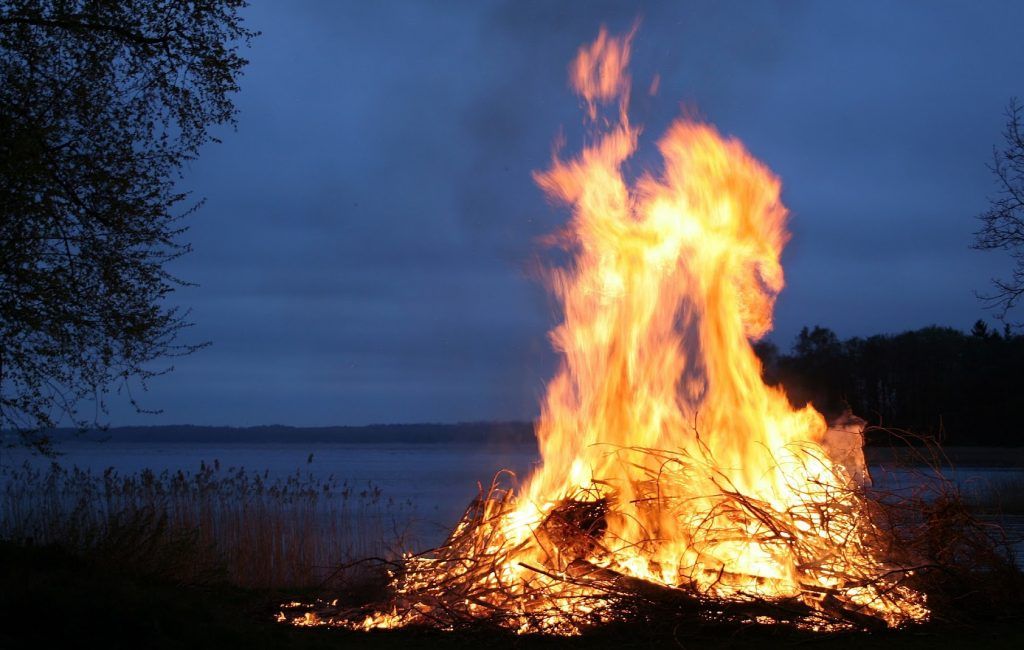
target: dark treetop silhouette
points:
(101, 104)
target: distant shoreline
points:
(472, 433)
(427, 433)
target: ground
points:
(51, 598)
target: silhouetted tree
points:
(981, 330)
(1003, 223)
(101, 104)
(814, 371)
(768, 353)
(817, 343)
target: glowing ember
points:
(670, 470)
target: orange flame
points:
(705, 477)
(599, 72)
(671, 279)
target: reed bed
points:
(215, 524)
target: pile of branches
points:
(972, 572)
(895, 548)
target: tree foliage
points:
(102, 103)
(1003, 222)
(938, 381)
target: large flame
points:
(671, 280)
(665, 457)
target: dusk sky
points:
(365, 251)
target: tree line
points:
(961, 388)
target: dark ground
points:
(51, 598)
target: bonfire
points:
(673, 479)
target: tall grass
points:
(247, 528)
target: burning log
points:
(573, 529)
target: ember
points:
(673, 479)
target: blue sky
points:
(364, 254)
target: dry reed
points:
(250, 529)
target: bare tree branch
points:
(1003, 223)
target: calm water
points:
(438, 480)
